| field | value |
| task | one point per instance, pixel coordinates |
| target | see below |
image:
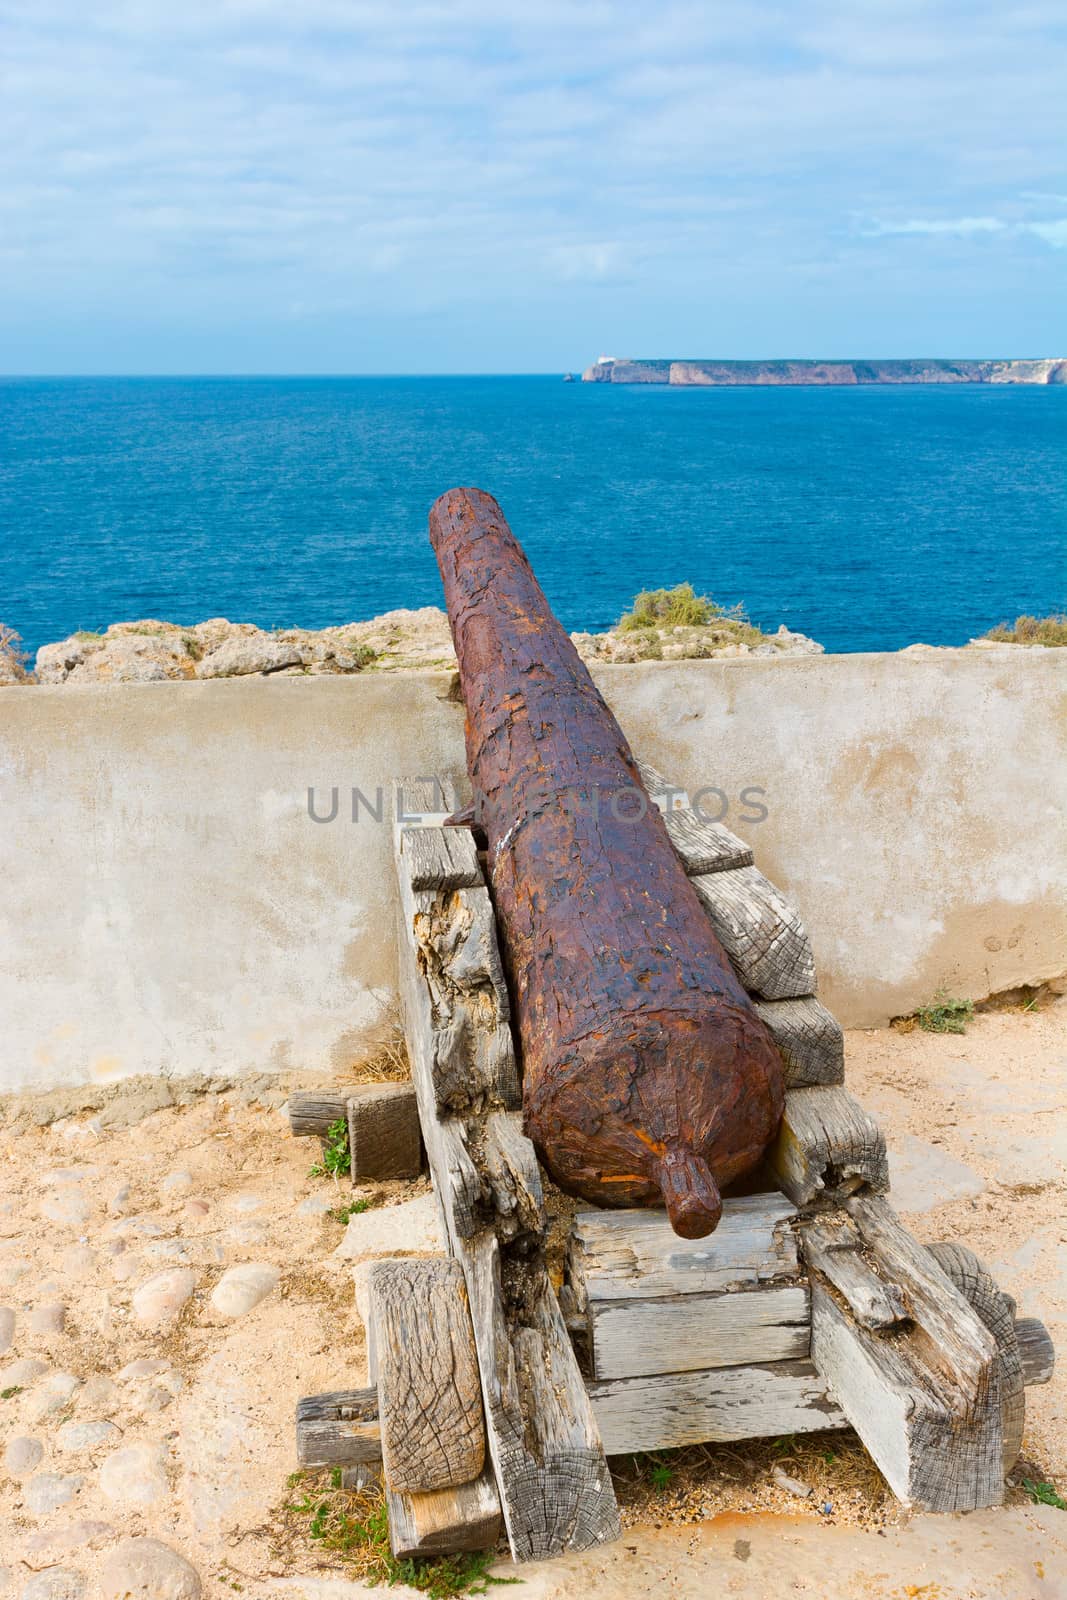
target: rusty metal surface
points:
(647, 1076)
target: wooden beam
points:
(754, 1401)
(760, 932)
(809, 1037)
(315, 1111)
(827, 1147)
(689, 1332)
(384, 1137)
(834, 1245)
(555, 1489)
(625, 1255)
(441, 858)
(429, 1399)
(1036, 1350)
(338, 1429)
(923, 1395)
(703, 846)
(446, 1521)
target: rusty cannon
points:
(648, 1078)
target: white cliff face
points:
(727, 374)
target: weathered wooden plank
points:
(624, 1255)
(1036, 1350)
(441, 858)
(834, 1245)
(705, 846)
(449, 1520)
(384, 1137)
(665, 796)
(755, 1401)
(827, 1147)
(688, 1332)
(760, 932)
(467, 1028)
(429, 1397)
(555, 1489)
(924, 1396)
(810, 1039)
(338, 1429)
(315, 1111)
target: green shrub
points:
(1050, 630)
(680, 607)
(945, 1014)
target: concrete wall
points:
(169, 907)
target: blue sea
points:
(868, 518)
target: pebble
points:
(55, 1392)
(96, 1394)
(159, 1301)
(48, 1319)
(243, 1287)
(54, 1583)
(166, 1250)
(22, 1455)
(793, 1486)
(247, 1202)
(78, 1261)
(120, 1201)
(67, 1208)
(12, 1271)
(175, 1181)
(60, 1176)
(316, 1205)
(48, 1491)
(44, 1549)
(413, 1228)
(7, 1328)
(248, 1233)
(145, 1569)
(143, 1367)
(126, 1266)
(75, 1436)
(20, 1374)
(135, 1476)
(195, 1209)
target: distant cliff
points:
(716, 374)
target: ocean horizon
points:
(868, 518)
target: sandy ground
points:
(187, 1373)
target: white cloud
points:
(1053, 232)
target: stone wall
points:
(169, 907)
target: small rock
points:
(51, 1395)
(12, 1271)
(791, 1485)
(166, 1250)
(258, 652)
(20, 1374)
(145, 1569)
(120, 1201)
(316, 1205)
(54, 1583)
(158, 1302)
(247, 1234)
(135, 1476)
(126, 1266)
(96, 1394)
(48, 1491)
(195, 1209)
(7, 1328)
(44, 1549)
(247, 1202)
(22, 1455)
(48, 1319)
(143, 1367)
(78, 1261)
(67, 1208)
(243, 1287)
(75, 1436)
(411, 1229)
(175, 1181)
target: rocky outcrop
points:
(725, 374)
(404, 640)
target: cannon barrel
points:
(647, 1076)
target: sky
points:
(348, 186)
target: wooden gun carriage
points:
(810, 1307)
(660, 1031)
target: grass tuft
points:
(355, 1527)
(944, 1014)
